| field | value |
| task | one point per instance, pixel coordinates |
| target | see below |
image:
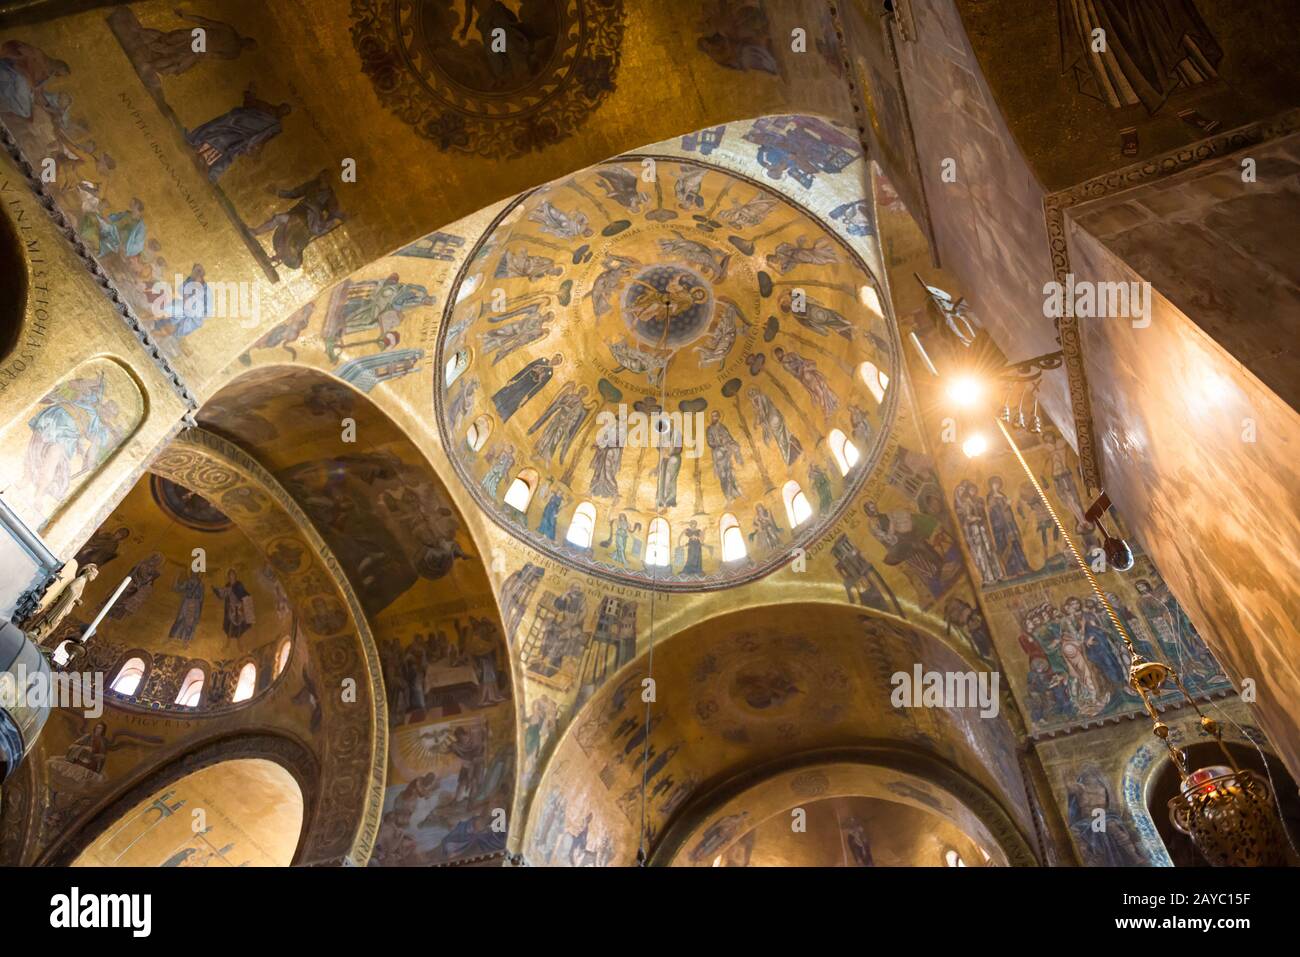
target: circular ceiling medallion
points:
(661, 377)
(667, 306)
(187, 507)
(486, 79)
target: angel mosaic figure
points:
(564, 225)
(750, 213)
(815, 317)
(687, 187)
(811, 378)
(801, 252)
(775, 431)
(605, 287)
(503, 340)
(620, 185)
(637, 360)
(560, 422)
(716, 346)
(710, 263)
(520, 265)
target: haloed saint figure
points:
(237, 606)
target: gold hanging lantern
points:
(1228, 814)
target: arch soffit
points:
(355, 749)
(391, 406)
(886, 770)
(273, 746)
(856, 616)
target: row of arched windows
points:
(131, 675)
(519, 494)
(582, 525)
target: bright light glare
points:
(871, 299)
(975, 445)
(468, 286)
(965, 390)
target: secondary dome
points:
(663, 372)
(205, 623)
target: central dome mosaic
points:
(664, 373)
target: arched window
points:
(246, 684)
(953, 859)
(797, 506)
(191, 689)
(468, 286)
(733, 540)
(582, 526)
(845, 452)
(456, 365)
(282, 656)
(520, 492)
(876, 380)
(868, 296)
(657, 543)
(478, 433)
(129, 677)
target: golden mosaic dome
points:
(664, 372)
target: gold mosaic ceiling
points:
(660, 284)
(200, 596)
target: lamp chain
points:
(1161, 731)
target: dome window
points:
(467, 287)
(282, 657)
(246, 684)
(797, 506)
(657, 547)
(733, 540)
(953, 859)
(582, 526)
(876, 380)
(868, 296)
(191, 692)
(129, 677)
(845, 452)
(456, 365)
(478, 433)
(520, 492)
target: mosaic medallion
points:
(484, 79)
(187, 507)
(667, 306)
